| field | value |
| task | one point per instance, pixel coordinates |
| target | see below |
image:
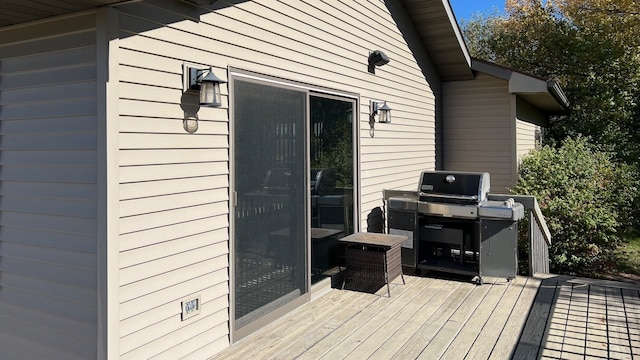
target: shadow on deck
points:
(578, 318)
(548, 316)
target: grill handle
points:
(450, 196)
(434, 226)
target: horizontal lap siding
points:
(174, 236)
(394, 157)
(528, 121)
(526, 137)
(478, 129)
(174, 206)
(48, 216)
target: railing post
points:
(531, 237)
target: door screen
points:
(270, 167)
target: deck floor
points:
(548, 317)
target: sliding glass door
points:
(293, 175)
(270, 187)
(332, 177)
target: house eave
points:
(436, 25)
(556, 91)
(28, 10)
(434, 21)
(546, 95)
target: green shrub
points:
(582, 193)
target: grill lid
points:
(454, 187)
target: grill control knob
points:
(450, 178)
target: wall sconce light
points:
(377, 58)
(206, 83)
(382, 110)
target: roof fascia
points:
(556, 91)
(456, 29)
(491, 69)
(522, 83)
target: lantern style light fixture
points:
(206, 83)
(381, 109)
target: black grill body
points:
(447, 232)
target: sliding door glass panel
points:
(332, 179)
(270, 180)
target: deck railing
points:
(539, 237)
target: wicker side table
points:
(373, 259)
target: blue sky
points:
(463, 9)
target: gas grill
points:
(453, 227)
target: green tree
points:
(592, 47)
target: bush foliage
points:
(584, 195)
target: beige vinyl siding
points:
(173, 196)
(48, 218)
(528, 120)
(174, 236)
(526, 137)
(478, 129)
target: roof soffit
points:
(13, 12)
(436, 25)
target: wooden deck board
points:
(632, 309)
(291, 342)
(619, 345)
(490, 333)
(375, 323)
(547, 317)
(386, 330)
(573, 345)
(278, 333)
(532, 336)
(318, 332)
(429, 305)
(427, 331)
(504, 347)
(352, 325)
(558, 319)
(483, 296)
(596, 343)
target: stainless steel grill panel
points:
(448, 210)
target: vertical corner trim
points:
(107, 46)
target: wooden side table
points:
(373, 258)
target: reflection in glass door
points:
(332, 179)
(271, 186)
